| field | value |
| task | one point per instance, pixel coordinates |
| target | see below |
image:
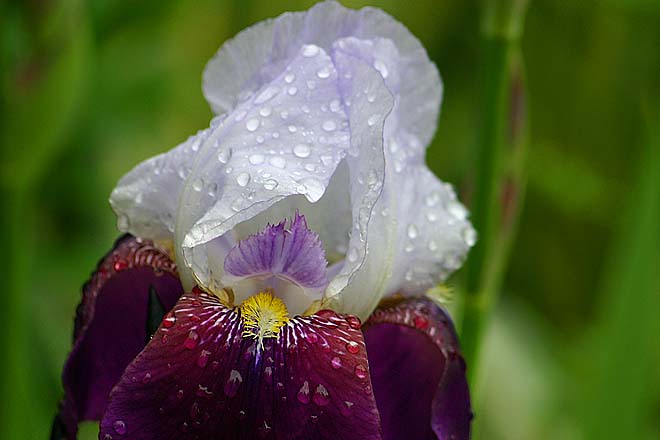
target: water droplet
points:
(470, 236)
(321, 396)
(354, 322)
(336, 363)
(303, 393)
(313, 189)
(146, 378)
(265, 111)
(270, 184)
(289, 78)
(323, 73)
(302, 150)
(224, 155)
(198, 184)
(252, 124)
(203, 358)
(432, 199)
(352, 255)
(191, 340)
(256, 159)
(120, 265)
(433, 246)
(292, 128)
(278, 161)
(243, 179)
(371, 98)
(352, 347)
(382, 68)
(329, 125)
(179, 394)
(170, 320)
(310, 50)
(457, 210)
(372, 120)
(360, 371)
(335, 105)
(120, 427)
(233, 383)
(311, 85)
(292, 90)
(413, 232)
(347, 408)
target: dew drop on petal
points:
(336, 363)
(301, 150)
(252, 124)
(380, 66)
(123, 223)
(170, 320)
(352, 347)
(289, 78)
(224, 155)
(457, 210)
(321, 396)
(270, 184)
(310, 50)
(120, 427)
(292, 90)
(243, 179)
(303, 393)
(323, 73)
(329, 125)
(360, 371)
(198, 184)
(278, 161)
(352, 255)
(256, 159)
(265, 111)
(191, 340)
(233, 383)
(470, 236)
(372, 120)
(413, 232)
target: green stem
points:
(497, 163)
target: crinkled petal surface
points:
(200, 379)
(111, 325)
(417, 372)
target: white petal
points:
(145, 200)
(256, 55)
(285, 140)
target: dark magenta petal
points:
(199, 378)
(417, 372)
(296, 253)
(111, 325)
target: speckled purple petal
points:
(199, 378)
(417, 372)
(296, 254)
(111, 325)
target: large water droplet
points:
(382, 68)
(243, 179)
(302, 150)
(265, 111)
(224, 155)
(252, 124)
(233, 383)
(329, 125)
(310, 50)
(120, 427)
(413, 232)
(336, 363)
(323, 73)
(457, 210)
(191, 340)
(270, 184)
(303, 393)
(372, 120)
(470, 236)
(361, 371)
(289, 78)
(321, 396)
(352, 347)
(256, 159)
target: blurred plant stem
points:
(499, 174)
(619, 382)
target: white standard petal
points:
(256, 55)
(286, 140)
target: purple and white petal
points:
(199, 378)
(290, 260)
(111, 325)
(417, 372)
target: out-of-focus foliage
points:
(91, 88)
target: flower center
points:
(263, 316)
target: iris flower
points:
(272, 280)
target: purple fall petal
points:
(296, 254)
(199, 378)
(418, 373)
(111, 325)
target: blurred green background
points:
(572, 351)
